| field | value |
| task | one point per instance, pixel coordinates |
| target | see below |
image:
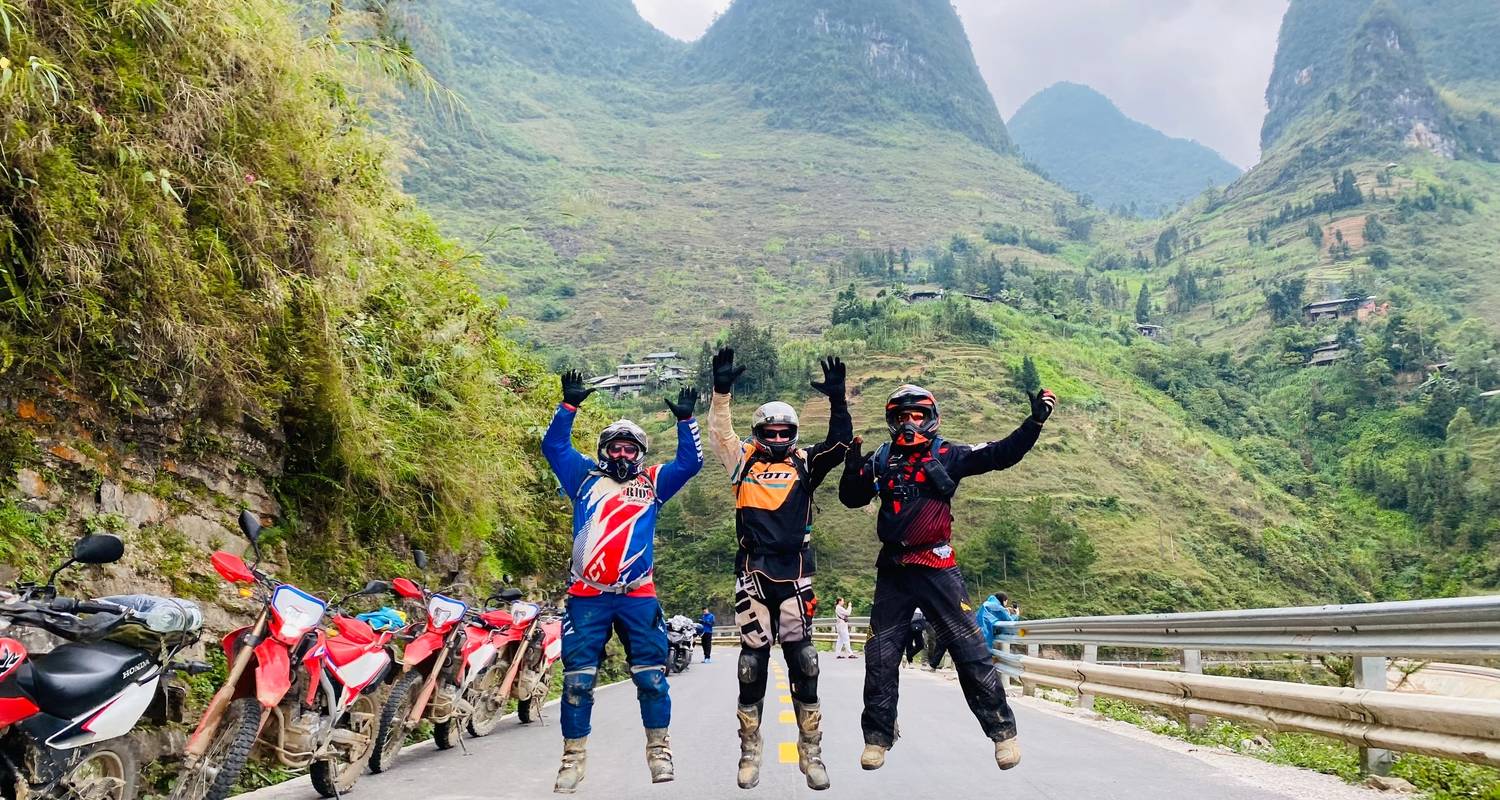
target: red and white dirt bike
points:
(532, 644)
(321, 716)
(454, 649)
(66, 715)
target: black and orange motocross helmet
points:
(909, 433)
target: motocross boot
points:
(810, 745)
(750, 746)
(1007, 753)
(570, 774)
(659, 755)
(873, 757)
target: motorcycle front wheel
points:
(530, 709)
(105, 772)
(212, 777)
(336, 775)
(484, 696)
(393, 728)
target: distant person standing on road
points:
(773, 482)
(706, 625)
(842, 648)
(612, 584)
(915, 476)
(996, 608)
(918, 639)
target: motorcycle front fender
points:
(273, 672)
(422, 648)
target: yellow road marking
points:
(788, 717)
(787, 753)
(786, 699)
(781, 684)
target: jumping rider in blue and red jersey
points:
(615, 499)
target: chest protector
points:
(936, 482)
(773, 502)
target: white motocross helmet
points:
(622, 469)
(776, 413)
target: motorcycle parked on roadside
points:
(432, 680)
(321, 717)
(682, 634)
(529, 644)
(66, 715)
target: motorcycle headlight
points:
(443, 611)
(522, 611)
(294, 612)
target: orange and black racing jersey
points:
(773, 499)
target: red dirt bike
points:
(68, 716)
(444, 667)
(532, 644)
(320, 717)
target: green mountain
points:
(572, 37)
(1382, 75)
(1083, 141)
(844, 65)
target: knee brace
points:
(802, 664)
(753, 668)
(578, 688)
(649, 681)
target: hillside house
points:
(1327, 352)
(637, 378)
(1356, 308)
(1153, 332)
(925, 296)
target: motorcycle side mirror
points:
(420, 556)
(98, 548)
(250, 526)
(407, 588)
(375, 587)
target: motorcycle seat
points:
(74, 678)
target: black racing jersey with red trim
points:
(915, 525)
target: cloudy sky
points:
(1192, 68)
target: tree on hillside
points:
(1285, 300)
(1374, 231)
(1166, 245)
(1030, 381)
(1143, 304)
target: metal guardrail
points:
(822, 627)
(1368, 716)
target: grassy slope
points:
(630, 195)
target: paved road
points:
(942, 753)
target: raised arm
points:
(857, 485)
(1007, 452)
(825, 455)
(673, 475)
(721, 436)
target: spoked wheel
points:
(530, 709)
(338, 774)
(393, 726)
(212, 777)
(104, 773)
(489, 706)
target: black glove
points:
(1042, 404)
(574, 392)
(683, 408)
(855, 458)
(833, 378)
(725, 372)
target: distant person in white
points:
(841, 624)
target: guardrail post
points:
(1192, 662)
(1027, 687)
(1090, 656)
(1370, 673)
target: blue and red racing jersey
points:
(614, 523)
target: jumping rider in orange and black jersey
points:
(915, 477)
(774, 483)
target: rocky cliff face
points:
(171, 487)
